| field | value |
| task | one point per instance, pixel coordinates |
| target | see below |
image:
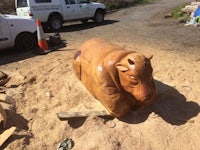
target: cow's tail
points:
(77, 64)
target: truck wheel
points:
(45, 27)
(99, 16)
(55, 23)
(25, 41)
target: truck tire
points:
(25, 41)
(55, 23)
(99, 16)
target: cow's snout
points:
(145, 93)
(147, 97)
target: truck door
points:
(86, 8)
(71, 10)
(22, 8)
(5, 40)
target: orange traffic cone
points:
(42, 43)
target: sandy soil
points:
(44, 85)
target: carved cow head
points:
(135, 75)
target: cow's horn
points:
(149, 57)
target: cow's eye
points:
(131, 62)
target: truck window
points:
(0, 26)
(22, 3)
(70, 1)
(43, 1)
(82, 1)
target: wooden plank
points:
(68, 115)
(6, 134)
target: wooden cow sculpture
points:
(120, 79)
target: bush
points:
(178, 14)
(117, 4)
(7, 6)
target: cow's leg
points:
(116, 103)
(116, 108)
(77, 64)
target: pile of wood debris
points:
(5, 100)
(193, 10)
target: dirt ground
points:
(44, 85)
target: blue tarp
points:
(197, 12)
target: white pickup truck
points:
(17, 31)
(54, 13)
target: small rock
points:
(169, 15)
(49, 94)
(191, 121)
(4, 78)
(182, 21)
(187, 88)
(67, 144)
(110, 124)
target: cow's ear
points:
(121, 67)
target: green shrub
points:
(7, 6)
(117, 4)
(177, 14)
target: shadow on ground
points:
(21, 124)
(170, 105)
(12, 55)
(77, 26)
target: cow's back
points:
(96, 49)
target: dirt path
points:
(45, 85)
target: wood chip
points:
(4, 115)
(6, 134)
